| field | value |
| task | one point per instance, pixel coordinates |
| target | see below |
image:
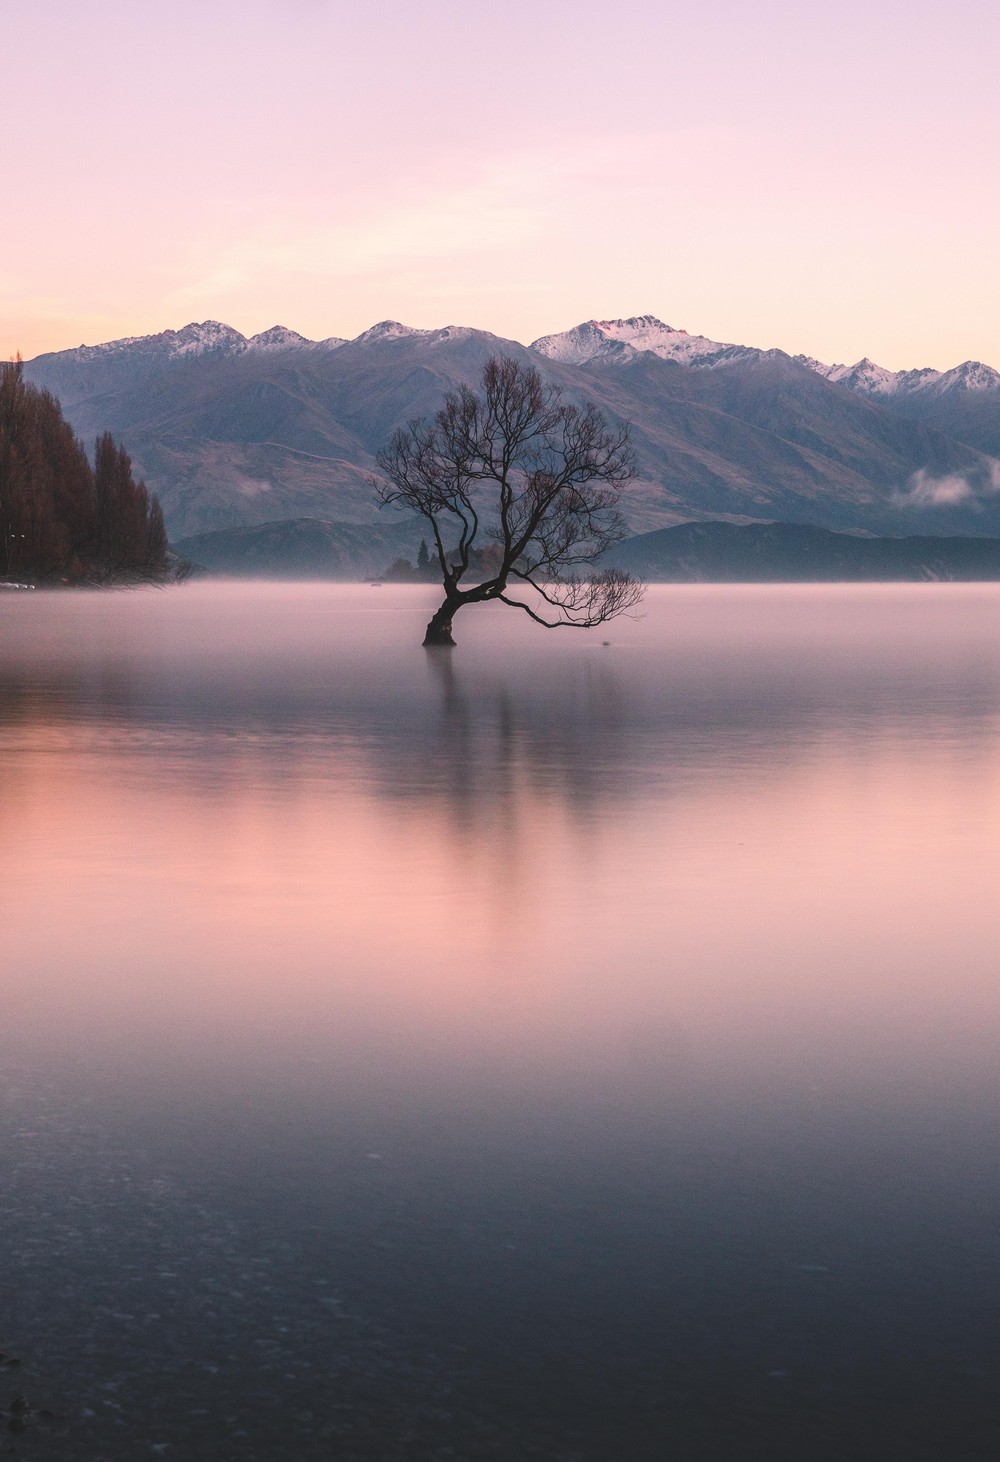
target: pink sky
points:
(815, 178)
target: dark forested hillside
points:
(62, 518)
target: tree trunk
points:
(439, 628)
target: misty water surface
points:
(559, 1049)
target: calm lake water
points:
(556, 1050)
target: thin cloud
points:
(583, 193)
(504, 210)
(927, 489)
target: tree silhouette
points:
(538, 479)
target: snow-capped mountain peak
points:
(971, 375)
(624, 339)
(619, 341)
(874, 380)
(610, 343)
(279, 337)
(864, 376)
(386, 330)
(193, 339)
(212, 335)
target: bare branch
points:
(540, 477)
(584, 603)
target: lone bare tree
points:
(520, 489)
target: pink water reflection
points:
(759, 831)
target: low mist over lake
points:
(557, 1049)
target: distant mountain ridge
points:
(704, 552)
(620, 339)
(236, 431)
(765, 553)
(197, 339)
(305, 548)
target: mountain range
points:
(703, 552)
(232, 431)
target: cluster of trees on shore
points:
(61, 516)
(403, 570)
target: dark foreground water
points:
(561, 1050)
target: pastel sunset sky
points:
(816, 177)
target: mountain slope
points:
(236, 436)
(963, 402)
(234, 432)
(765, 437)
